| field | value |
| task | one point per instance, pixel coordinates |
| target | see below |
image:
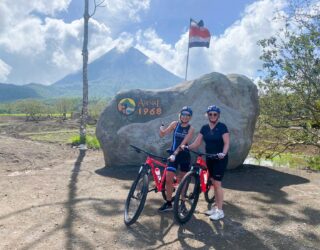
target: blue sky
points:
(218, 15)
(40, 40)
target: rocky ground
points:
(54, 197)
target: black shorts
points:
(217, 167)
(183, 160)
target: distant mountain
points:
(109, 74)
(44, 90)
(11, 92)
(116, 71)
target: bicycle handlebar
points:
(215, 156)
(139, 150)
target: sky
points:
(41, 40)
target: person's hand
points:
(183, 147)
(162, 127)
(221, 155)
(172, 158)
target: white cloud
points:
(235, 51)
(45, 49)
(124, 9)
(4, 70)
(42, 48)
(170, 57)
(42, 6)
(26, 37)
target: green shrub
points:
(91, 141)
(314, 163)
(290, 160)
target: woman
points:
(216, 137)
(182, 134)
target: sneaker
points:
(219, 214)
(211, 211)
(165, 207)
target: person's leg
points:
(169, 184)
(211, 166)
(184, 159)
(218, 174)
(218, 192)
(171, 171)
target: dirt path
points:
(76, 203)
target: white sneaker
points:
(211, 211)
(219, 214)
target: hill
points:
(112, 72)
(116, 71)
(11, 92)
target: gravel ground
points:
(53, 197)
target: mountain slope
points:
(115, 71)
(112, 72)
(11, 92)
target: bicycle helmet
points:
(213, 108)
(186, 109)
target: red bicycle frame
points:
(204, 173)
(152, 162)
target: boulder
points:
(134, 117)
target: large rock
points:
(134, 117)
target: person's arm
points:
(164, 131)
(226, 145)
(197, 142)
(185, 141)
(226, 142)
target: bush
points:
(91, 141)
(314, 163)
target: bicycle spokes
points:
(136, 199)
(186, 197)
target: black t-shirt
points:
(213, 137)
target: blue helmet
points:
(213, 108)
(186, 109)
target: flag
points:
(199, 36)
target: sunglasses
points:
(213, 114)
(185, 114)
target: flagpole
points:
(188, 51)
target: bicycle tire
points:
(141, 196)
(209, 194)
(192, 198)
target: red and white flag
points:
(199, 36)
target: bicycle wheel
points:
(136, 199)
(186, 198)
(209, 194)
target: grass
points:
(53, 136)
(45, 115)
(291, 160)
(294, 160)
(59, 136)
(91, 141)
(12, 115)
(314, 163)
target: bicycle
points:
(140, 187)
(197, 180)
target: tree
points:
(66, 105)
(96, 107)
(85, 56)
(32, 108)
(290, 90)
